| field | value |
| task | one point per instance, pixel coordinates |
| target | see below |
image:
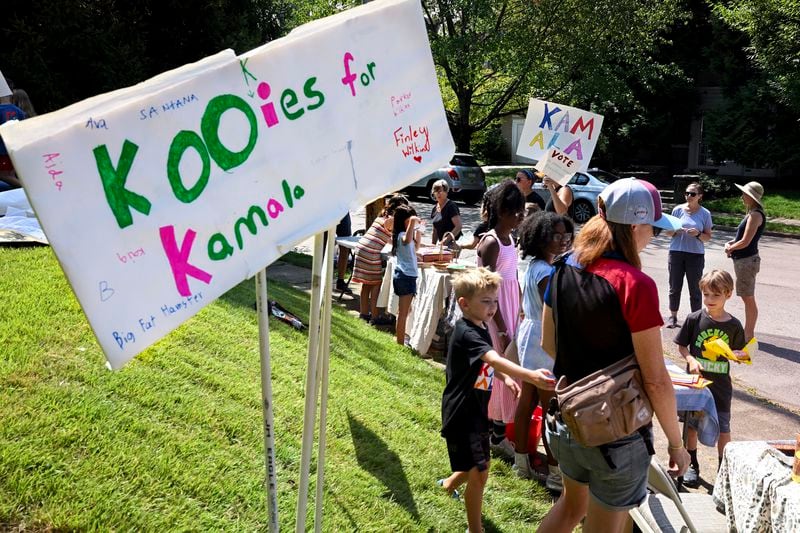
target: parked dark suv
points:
(463, 174)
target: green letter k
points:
(120, 199)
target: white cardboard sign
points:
(570, 130)
(160, 197)
(557, 166)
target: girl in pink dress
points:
(498, 252)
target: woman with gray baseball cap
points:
(600, 308)
(743, 249)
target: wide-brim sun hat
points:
(754, 190)
(634, 201)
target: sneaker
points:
(503, 449)
(522, 466)
(672, 322)
(341, 285)
(366, 317)
(692, 476)
(453, 494)
(553, 481)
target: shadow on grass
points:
(374, 456)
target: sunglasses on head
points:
(690, 193)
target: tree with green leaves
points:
(65, 51)
(494, 55)
(773, 29)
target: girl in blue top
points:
(542, 236)
(405, 240)
(687, 251)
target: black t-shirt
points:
(443, 221)
(534, 198)
(699, 328)
(465, 401)
(480, 229)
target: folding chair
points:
(667, 511)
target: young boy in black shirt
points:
(711, 322)
(472, 365)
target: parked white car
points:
(585, 189)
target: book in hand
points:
(695, 381)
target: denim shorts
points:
(618, 489)
(403, 284)
(746, 269)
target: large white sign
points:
(159, 198)
(571, 131)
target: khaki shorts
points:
(746, 269)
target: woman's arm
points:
(562, 198)
(753, 222)
(456, 220)
(657, 384)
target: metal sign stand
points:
(319, 334)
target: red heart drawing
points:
(418, 158)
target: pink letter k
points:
(179, 259)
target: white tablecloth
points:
(755, 488)
(433, 288)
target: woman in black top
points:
(444, 215)
(525, 179)
(743, 249)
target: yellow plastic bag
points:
(719, 348)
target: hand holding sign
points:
(557, 166)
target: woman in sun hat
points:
(743, 249)
(599, 308)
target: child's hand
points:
(513, 386)
(543, 379)
(694, 366)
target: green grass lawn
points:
(174, 440)
(501, 174)
(777, 204)
(780, 204)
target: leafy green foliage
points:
(62, 52)
(773, 29)
(495, 55)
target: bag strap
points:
(558, 265)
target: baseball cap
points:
(634, 201)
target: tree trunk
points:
(463, 133)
